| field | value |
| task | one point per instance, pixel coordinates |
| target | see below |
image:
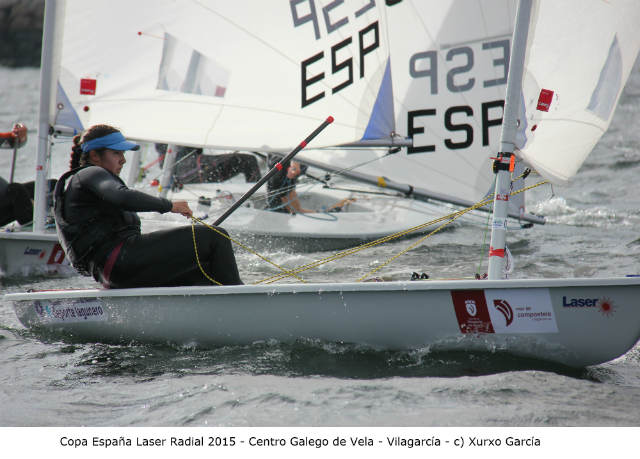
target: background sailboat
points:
(192, 71)
(209, 74)
(26, 252)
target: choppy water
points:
(592, 225)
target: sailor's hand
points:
(20, 132)
(181, 207)
(345, 201)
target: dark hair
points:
(80, 158)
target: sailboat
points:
(451, 95)
(173, 81)
(38, 251)
(200, 67)
(575, 322)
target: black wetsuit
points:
(192, 166)
(16, 201)
(100, 231)
(278, 187)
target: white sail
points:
(576, 68)
(449, 62)
(215, 73)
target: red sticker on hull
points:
(471, 311)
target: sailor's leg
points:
(167, 258)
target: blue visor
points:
(113, 141)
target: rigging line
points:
(388, 238)
(578, 122)
(256, 198)
(195, 248)
(484, 242)
(412, 246)
(417, 164)
(274, 49)
(347, 169)
(418, 242)
(173, 175)
(378, 193)
(356, 249)
(247, 248)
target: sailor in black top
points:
(100, 230)
(16, 199)
(282, 195)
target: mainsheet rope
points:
(447, 219)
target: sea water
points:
(592, 231)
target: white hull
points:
(575, 322)
(27, 253)
(369, 218)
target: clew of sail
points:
(229, 75)
(575, 70)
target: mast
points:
(502, 166)
(48, 80)
(167, 170)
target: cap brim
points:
(124, 146)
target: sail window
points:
(185, 69)
(605, 94)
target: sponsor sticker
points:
(604, 305)
(70, 312)
(471, 311)
(33, 251)
(504, 311)
(544, 100)
(88, 86)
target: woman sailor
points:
(97, 223)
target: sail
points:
(227, 74)
(449, 62)
(575, 70)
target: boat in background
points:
(185, 73)
(185, 85)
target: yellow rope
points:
(488, 200)
(248, 249)
(195, 248)
(351, 251)
(447, 219)
(414, 245)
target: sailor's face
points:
(294, 170)
(112, 160)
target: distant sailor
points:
(16, 199)
(283, 196)
(100, 230)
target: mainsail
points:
(449, 62)
(575, 71)
(259, 75)
(231, 75)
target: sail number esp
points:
(334, 16)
